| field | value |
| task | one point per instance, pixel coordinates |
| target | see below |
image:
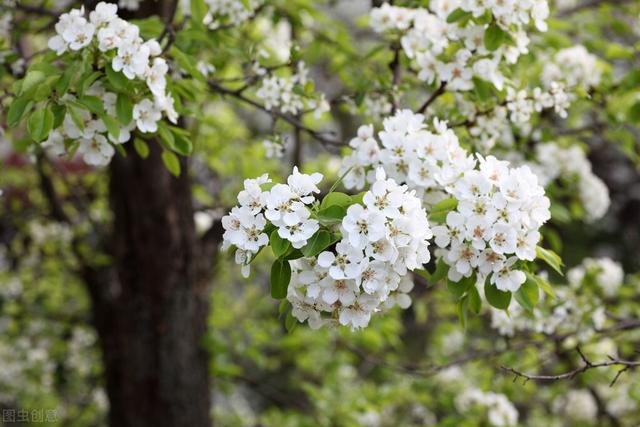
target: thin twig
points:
(441, 89)
(587, 365)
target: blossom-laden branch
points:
(239, 95)
(587, 365)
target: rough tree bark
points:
(150, 306)
(150, 309)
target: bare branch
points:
(439, 91)
(587, 365)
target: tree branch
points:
(587, 365)
(439, 91)
(238, 94)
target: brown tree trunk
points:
(150, 308)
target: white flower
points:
(244, 230)
(362, 226)
(507, 279)
(155, 76)
(146, 116)
(55, 143)
(346, 263)
(132, 60)
(304, 185)
(96, 150)
(103, 14)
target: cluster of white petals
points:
(571, 163)
(604, 272)
(427, 38)
(382, 239)
(499, 210)
(575, 312)
(574, 66)
(495, 224)
(500, 411)
(93, 138)
(135, 58)
(577, 405)
(286, 206)
(425, 161)
(286, 93)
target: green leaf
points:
(445, 205)
(494, 36)
(187, 63)
(17, 110)
(63, 83)
(290, 322)
(118, 80)
(40, 124)
(93, 104)
(279, 246)
(458, 289)
(112, 125)
(528, 295)
(551, 258)
(542, 283)
(31, 81)
(475, 303)
(166, 137)
(457, 15)
(198, 10)
(182, 143)
(442, 268)
(440, 210)
(124, 109)
(171, 162)
(59, 111)
(280, 277)
(497, 298)
(331, 215)
(336, 199)
(141, 147)
(482, 89)
(634, 113)
(75, 116)
(317, 243)
(87, 80)
(463, 311)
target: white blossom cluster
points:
(222, 11)
(554, 161)
(500, 411)
(578, 405)
(425, 161)
(275, 146)
(576, 313)
(280, 93)
(495, 224)
(382, 239)
(499, 211)
(284, 205)
(93, 138)
(604, 272)
(574, 66)
(135, 58)
(426, 37)
(521, 105)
